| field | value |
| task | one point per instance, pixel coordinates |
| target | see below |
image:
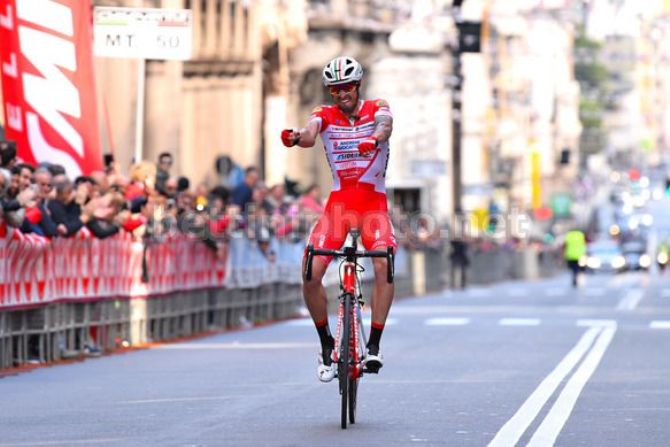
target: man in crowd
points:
(38, 220)
(163, 171)
(244, 192)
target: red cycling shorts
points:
(359, 207)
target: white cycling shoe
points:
(326, 373)
(373, 362)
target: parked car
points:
(604, 256)
(635, 253)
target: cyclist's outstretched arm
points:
(305, 137)
(308, 134)
(383, 128)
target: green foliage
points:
(590, 113)
(593, 78)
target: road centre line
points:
(519, 321)
(233, 345)
(64, 442)
(556, 291)
(631, 299)
(173, 399)
(597, 323)
(517, 292)
(595, 291)
(513, 429)
(478, 292)
(555, 420)
(659, 324)
(447, 321)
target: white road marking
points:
(517, 292)
(519, 321)
(631, 299)
(478, 292)
(173, 399)
(233, 345)
(659, 324)
(596, 323)
(594, 291)
(624, 280)
(65, 442)
(553, 423)
(556, 291)
(513, 429)
(447, 321)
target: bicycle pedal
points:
(373, 370)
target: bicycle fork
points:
(356, 335)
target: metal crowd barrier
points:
(67, 298)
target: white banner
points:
(143, 33)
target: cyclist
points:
(355, 134)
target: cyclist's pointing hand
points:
(290, 137)
(367, 146)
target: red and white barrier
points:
(35, 270)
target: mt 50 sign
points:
(143, 33)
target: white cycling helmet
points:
(342, 70)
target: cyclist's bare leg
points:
(313, 291)
(315, 298)
(383, 293)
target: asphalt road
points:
(529, 363)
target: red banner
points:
(48, 82)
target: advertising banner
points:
(48, 82)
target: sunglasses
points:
(344, 88)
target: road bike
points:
(350, 338)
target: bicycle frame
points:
(350, 289)
(349, 317)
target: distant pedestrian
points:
(574, 249)
(459, 262)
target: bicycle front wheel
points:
(353, 394)
(343, 365)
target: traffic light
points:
(565, 156)
(470, 37)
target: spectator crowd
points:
(151, 202)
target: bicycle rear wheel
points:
(343, 365)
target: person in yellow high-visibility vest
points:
(574, 250)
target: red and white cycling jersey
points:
(341, 138)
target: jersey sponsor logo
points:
(352, 156)
(345, 145)
(347, 156)
(382, 103)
